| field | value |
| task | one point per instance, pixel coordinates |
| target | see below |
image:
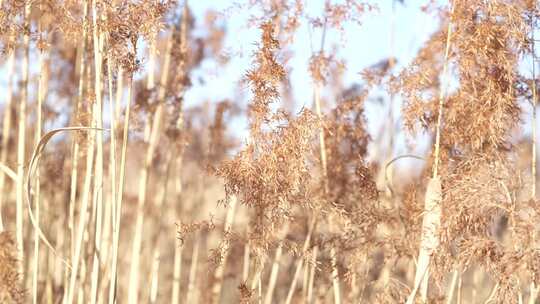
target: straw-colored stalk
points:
(154, 276)
(86, 191)
(151, 136)
(121, 184)
(98, 38)
(224, 252)
(387, 176)
(192, 280)
(322, 149)
(82, 69)
(313, 270)
(322, 146)
(430, 240)
(156, 255)
(22, 133)
(154, 273)
(245, 263)
(42, 89)
(178, 246)
(335, 276)
(295, 279)
(460, 290)
(110, 214)
(273, 275)
(110, 211)
(433, 198)
(177, 271)
(305, 282)
(533, 288)
(81, 225)
(178, 249)
(453, 284)
(492, 295)
(300, 262)
(6, 129)
(256, 280)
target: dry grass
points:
(11, 286)
(112, 190)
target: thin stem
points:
(81, 227)
(177, 271)
(322, 147)
(6, 129)
(300, 262)
(312, 275)
(22, 132)
(442, 95)
(245, 267)
(151, 138)
(119, 200)
(432, 210)
(41, 96)
(98, 38)
(192, 281)
(455, 278)
(224, 252)
(533, 288)
(75, 145)
(273, 275)
(156, 256)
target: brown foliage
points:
(11, 290)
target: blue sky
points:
(360, 46)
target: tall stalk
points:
(156, 254)
(163, 194)
(178, 246)
(119, 200)
(41, 96)
(224, 250)
(533, 288)
(98, 38)
(432, 209)
(177, 271)
(300, 262)
(82, 69)
(22, 131)
(82, 222)
(6, 129)
(322, 150)
(178, 164)
(151, 139)
(192, 280)
(112, 162)
(86, 194)
(312, 272)
(274, 273)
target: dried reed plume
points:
(126, 176)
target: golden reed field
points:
(117, 185)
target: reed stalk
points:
(6, 130)
(21, 138)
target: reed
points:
(125, 179)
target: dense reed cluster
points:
(116, 186)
